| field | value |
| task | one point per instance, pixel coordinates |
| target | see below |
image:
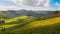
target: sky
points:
(42, 5)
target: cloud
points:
(34, 4)
(4, 8)
(29, 5)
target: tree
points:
(56, 12)
(2, 21)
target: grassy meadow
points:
(49, 24)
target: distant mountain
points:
(30, 12)
(15, 13)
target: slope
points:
(49, 26)
(18, 22)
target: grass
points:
(15, 19)
(44, 22)
(10, 23)
(50, 26)
(8, 26)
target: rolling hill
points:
(50, 26)
(30, 26)
(29, 22)
(16, 13)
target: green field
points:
(30, 25)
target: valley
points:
(16, 23)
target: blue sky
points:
(18, 4)
(52, 3)
(7, 3)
